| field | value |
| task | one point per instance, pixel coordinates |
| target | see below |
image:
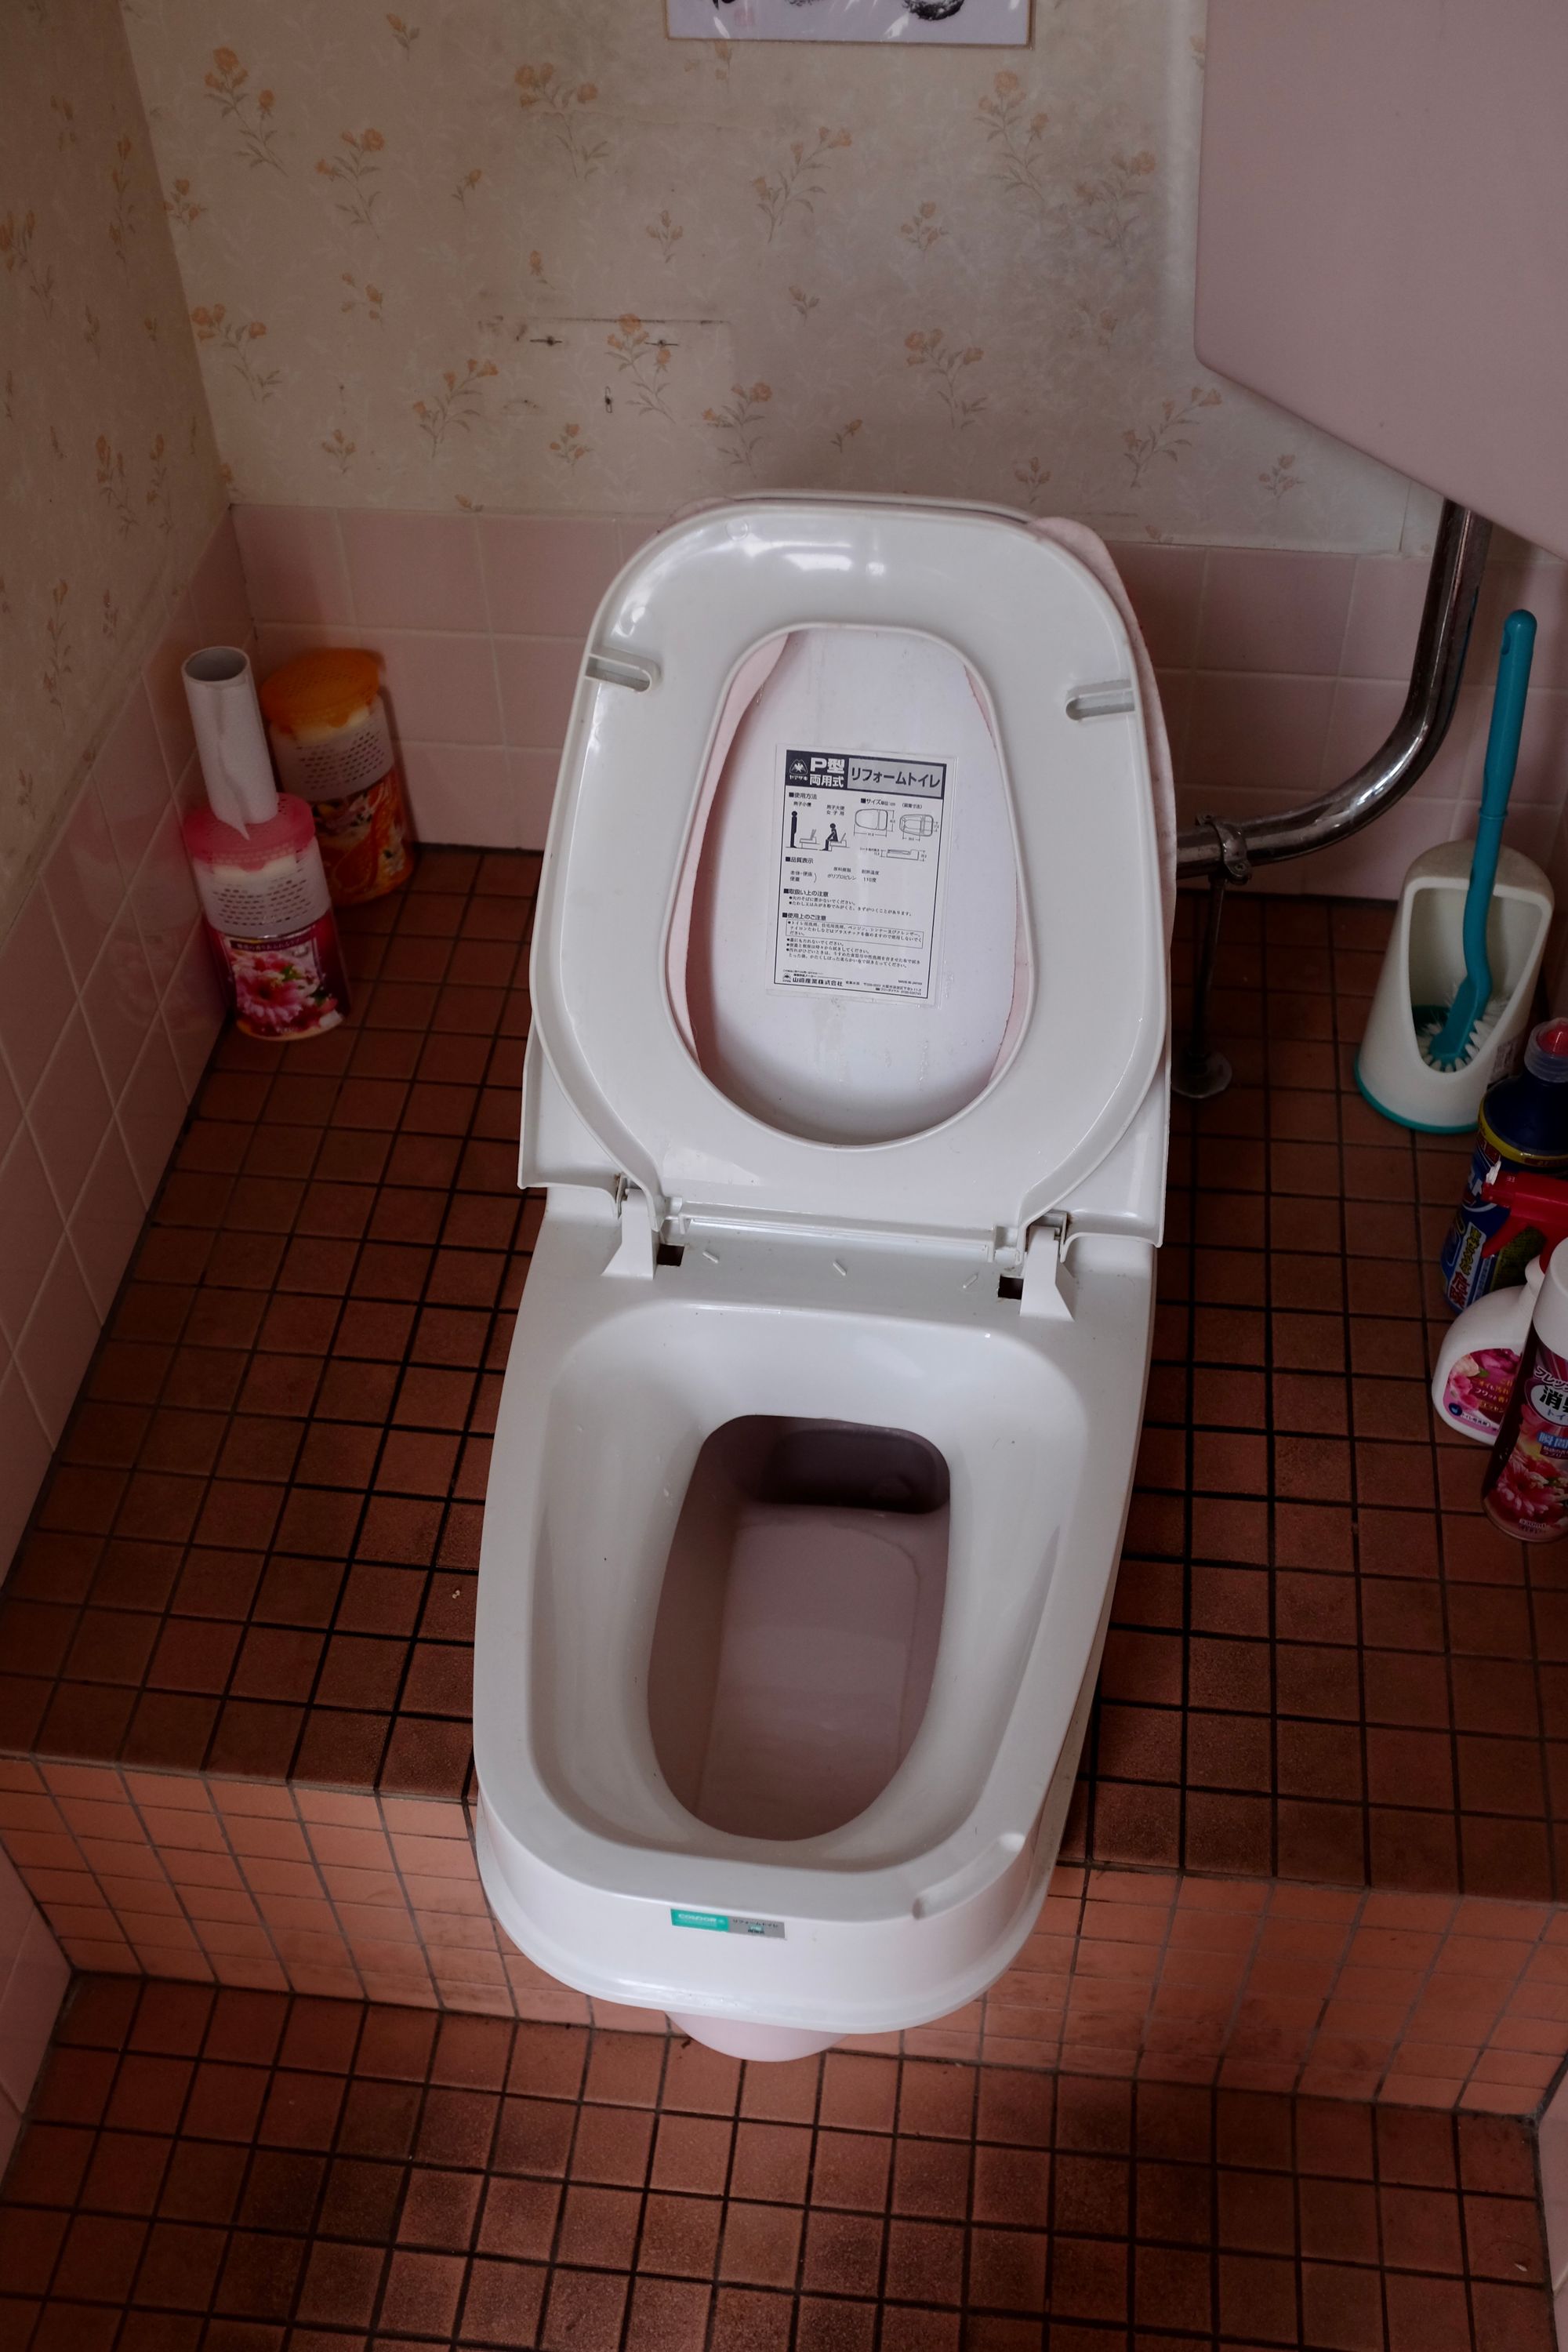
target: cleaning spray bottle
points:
(1478, 1360)
(257, 869)
(1515, 1201)
(1525, 1487)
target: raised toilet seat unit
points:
(848, 1086)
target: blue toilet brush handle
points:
(1502, 757)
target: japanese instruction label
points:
(859, 860)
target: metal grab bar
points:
(1227, 851)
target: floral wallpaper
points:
(109, 478)
(529, 254)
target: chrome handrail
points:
(1227, 850)
(1459, 559)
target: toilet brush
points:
(1449, 1041)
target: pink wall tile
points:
(1263, 735)
(16, 1913)
(1542, 586)
(538, 678)
(106, 1220)
(1165, 584)
(461, 792)
(25, 1450)
(1551, 2143)
(69, 1111)
(546, 574)
(36, 992)
(1556, 965)
(65, 1061)
(636, 530)
(189, 790)
(294, 567)
(440, 689)
(31, 1222)
(1265, 610)
(218, 589)
(414, 571)
(152, 1110)
(1528, 830)
(1542, 775)
(1363, 712)
(279, 641)
(1384, 616)
(1176, 702)
(83, 882)
(56, 1346)
(164, 901)
(533, 778)
(193, 1010)
(10, 1111)
(119, 1002)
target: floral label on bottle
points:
(1476, 1390)
(290, 987)
(1526, 1487)
(363, 841)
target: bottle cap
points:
(1551, 1319)
(1546, 1055)
(318, 691)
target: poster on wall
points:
(979, 24)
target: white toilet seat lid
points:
(1036, 630)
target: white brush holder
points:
(1425, 964)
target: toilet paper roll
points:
(231, 743)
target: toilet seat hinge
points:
(636, 1253)
(1049, 1288)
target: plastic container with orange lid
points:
(332, 747)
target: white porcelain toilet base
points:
(591, 1862)
(736, 2038)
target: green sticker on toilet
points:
(726, 1923)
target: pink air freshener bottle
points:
(257, 867)
(1525, 1489)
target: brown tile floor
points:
(257, 1553)
(242, 2173)
(1325, 1661)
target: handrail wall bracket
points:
(1222, 852)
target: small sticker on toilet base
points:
(859, 863)
(727, 1923)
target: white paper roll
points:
(231, 743)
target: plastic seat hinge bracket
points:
(636, 1253)
(1049, 1288)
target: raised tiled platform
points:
(257, 1554)
(1333, 1991)
(1325, 1662)
(329, 2175)
(234, 1651)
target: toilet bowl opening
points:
(798, 1621)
